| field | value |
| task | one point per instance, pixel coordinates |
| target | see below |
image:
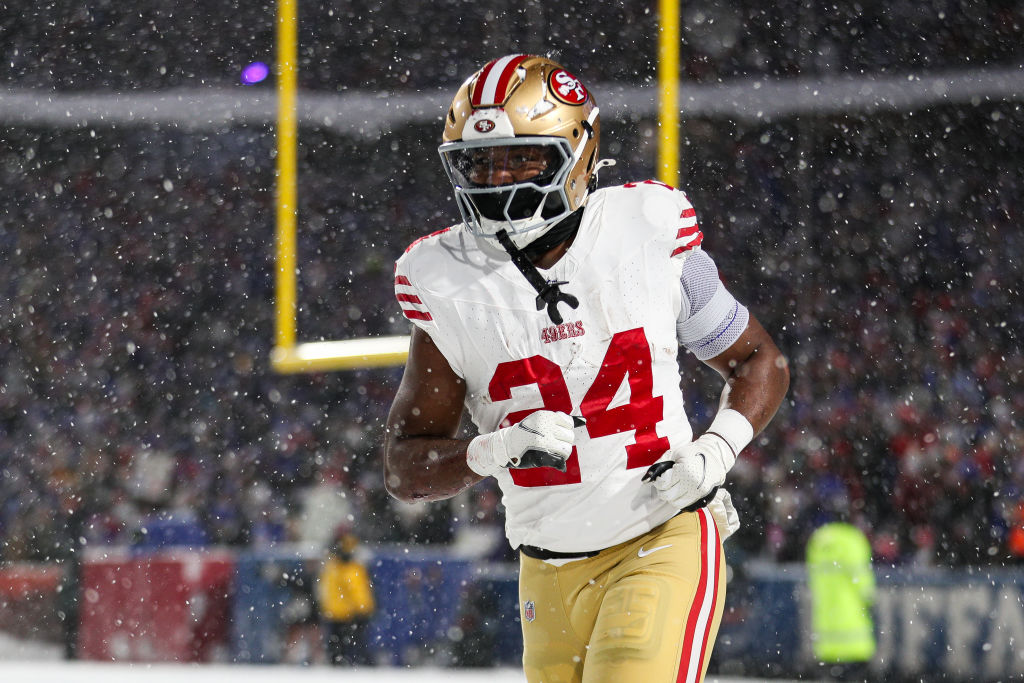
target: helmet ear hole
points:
(451, 115)
(575, 132)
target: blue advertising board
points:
(433, 608)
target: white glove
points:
(725, 515)
(696, 470)
(541, 439)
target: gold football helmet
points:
(520, 147)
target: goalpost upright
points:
(290, 356)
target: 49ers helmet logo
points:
(567, 87)
(484, 126)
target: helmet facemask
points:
(525, 208)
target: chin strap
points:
(548, 292)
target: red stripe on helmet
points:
(488, 75)
(478, 88)
(506, 76)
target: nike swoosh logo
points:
(645, 553)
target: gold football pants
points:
(643, 611)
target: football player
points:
(554, 313)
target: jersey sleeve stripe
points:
(412, 314)
(687, 247)
(412, 305)
(426, 237)
(686, 232)
(689, 213)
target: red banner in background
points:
(28, 600)
(164, 607)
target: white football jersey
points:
(613, 361)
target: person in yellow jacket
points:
(842, 584)
(345, 597)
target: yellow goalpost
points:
(291, 356)
(668, 92)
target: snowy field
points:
(89, 672)
(54, 672)
(28, 662)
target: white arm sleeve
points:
(710, 319)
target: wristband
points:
(480, 454)
(732, 427)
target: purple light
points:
(255, 73)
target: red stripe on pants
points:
(695, 609)
(713, 538)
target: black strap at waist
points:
(542, 554)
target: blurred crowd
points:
(137, 404)
(888, 257)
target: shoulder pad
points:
(671, 210)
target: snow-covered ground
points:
(29, 662)
(93, 672)
(13, 649)
(88, 672)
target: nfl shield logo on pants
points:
(529, 613)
